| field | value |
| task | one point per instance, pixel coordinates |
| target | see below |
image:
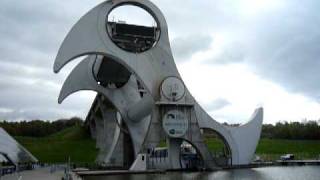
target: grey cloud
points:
(286, 49)
(184, 47)
(35, 29)
(29, 25)
(197, 17)
(233, 53)
(39, 100)
(38, 113)
(296, 66)
(31, 33)
(33, 95)
(15, 74)
(217, 104)
(281, 46)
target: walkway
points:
(39, 174)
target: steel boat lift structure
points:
(142, 98)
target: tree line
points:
(306, 130)
(38, 128)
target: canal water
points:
(266, 173)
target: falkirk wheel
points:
(142, 100)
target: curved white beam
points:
(82, 78)
(241, 140)
(207, 122)
(81, 40)
(89, 36)
(247, 137)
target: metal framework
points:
(142, 99)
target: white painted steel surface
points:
(156, 70)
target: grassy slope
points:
(302, 149)
(72, 142)
(272, 149)
(75, 143)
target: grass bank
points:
(76, 143)
(272, 149)
(72, 142)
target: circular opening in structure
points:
(218, 147)
(132, 28)
(109, 73)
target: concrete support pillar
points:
(99, 132)
(174, 153)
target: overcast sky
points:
(234, 56)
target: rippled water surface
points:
(268, 173)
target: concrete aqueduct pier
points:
(142, 101)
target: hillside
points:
(73, 142)
(272, 149)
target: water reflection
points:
(239, 174)
(268, 173)
(167, 176)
